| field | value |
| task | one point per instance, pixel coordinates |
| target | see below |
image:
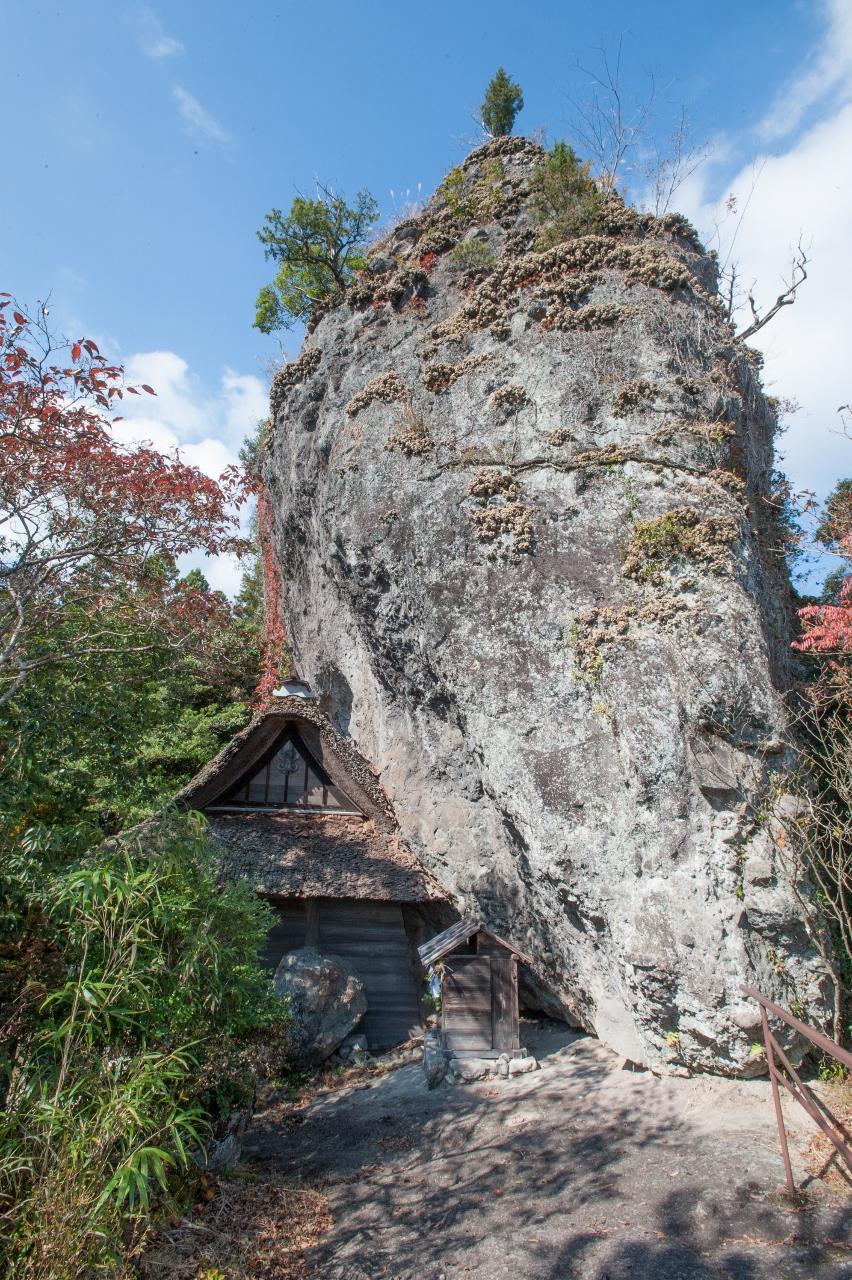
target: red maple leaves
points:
(84, 516)
(828, 627)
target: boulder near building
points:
(297, 812)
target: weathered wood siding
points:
(287, 934)
(370, 938)
(480, 1002)
(504, 1002)
(466, 1003)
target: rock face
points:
(326, 1002)
(436, 1059)
(521, 510)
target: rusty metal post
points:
(776, 1098)
(808, 1102)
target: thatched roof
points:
(306, 855)
(334, 753)
(297, 853)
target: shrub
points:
(472, 256)
(565, 200)
(813, 827)
(471, 198)
(135, 1011)
(657, 544)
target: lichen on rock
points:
(291, 375)
(487, 482)
(441, 375)
(411, 436)
(510, 397)
(511, 525)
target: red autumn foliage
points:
(85, 519)
(828, 627)
(427, 260)
(274, 636)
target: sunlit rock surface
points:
(520, 505)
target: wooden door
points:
(466, 1004)
(504, 1002)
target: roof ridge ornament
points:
(294, 688)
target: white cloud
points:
(154, 40)
(825, 75)
(206, 427)
(804, 187)
(199, 123)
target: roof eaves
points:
(445, 942)
(459, 933)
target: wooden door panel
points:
(466, 1003)
(504, 1002)
(370, 938)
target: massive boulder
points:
(326, 1001)
(522, 504)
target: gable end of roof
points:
(343, 764)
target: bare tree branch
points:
(606, 126)
(798, 276)
(674, 166)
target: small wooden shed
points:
(479, 989)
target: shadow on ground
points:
(580, 1171)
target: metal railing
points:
(817, 1110)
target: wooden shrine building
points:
(479, 990)
(296, 811)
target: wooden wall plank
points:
(287, 934)
(370, 938)
(466, 1003)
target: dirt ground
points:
(584, 1170)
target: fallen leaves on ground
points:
(303, 1087)
(822, 1160)
(396, 1142)
(253, 1227)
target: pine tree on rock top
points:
(503, 100)
(318, 247)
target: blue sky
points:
(154, 139)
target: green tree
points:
(503, 101)
(565, 199)
(318, 246)
(85, 518)
(108, 739)
(133, 1008)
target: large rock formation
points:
(521, 509)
